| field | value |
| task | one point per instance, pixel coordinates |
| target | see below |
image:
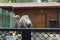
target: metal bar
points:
(33, 29)
(59, 17)
(26, 35)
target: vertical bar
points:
(26, 35)
(11, 19)
(3, 17)
(59, 17)
(7, 19)
(0, 18)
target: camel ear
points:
(17, 16)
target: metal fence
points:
(10, 35)
(30, 34)
(5, 18)
(45, 36)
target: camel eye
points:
(26, 17)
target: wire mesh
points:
(16, 34)
(36, 34)
(45, 36)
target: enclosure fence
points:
(30, 34)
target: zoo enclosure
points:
(35, 34)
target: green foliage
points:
(5, 1)
(25, 0)
(12, 1)
(50, 0)
(36, 0)
(44, 0)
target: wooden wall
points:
(40, 19)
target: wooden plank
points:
(40, 21)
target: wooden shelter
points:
(42, 15)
